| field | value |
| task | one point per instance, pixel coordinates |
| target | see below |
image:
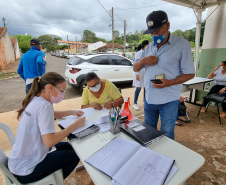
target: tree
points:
(24, 42)
(24, 46)
(50, 47)
(61, 47)
(116, 34)
(88, 36)
(45, 40)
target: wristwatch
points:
(112, 104)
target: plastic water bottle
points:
(126, 111)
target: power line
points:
(104, 8)
(60, 22)
(140, 7)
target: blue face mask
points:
(158, 39)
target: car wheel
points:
(82, 86)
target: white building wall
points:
(17, 50)
(95, 45)
(9, 50)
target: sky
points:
(72, 17)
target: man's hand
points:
(138, 77)
(166, 83)
(108, 105)
(150, 60)
(96, 106)
(222, 91)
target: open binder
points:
(129, 163)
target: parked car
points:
(53, 54)
(65, 54)
(57, 54)
(60, 55)
(113, 67)
(71, 55)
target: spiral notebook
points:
(129, 163)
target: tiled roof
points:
(2, 31)
(109, 45)
(13, 40)
(73, 42)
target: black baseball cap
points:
(35, 42)
(155, 20)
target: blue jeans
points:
(28, 87)
(63, 158)
(168, 113)
(137, 92)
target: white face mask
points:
(221, 68)
(96, 88)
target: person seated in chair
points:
(219, 85)
(100, 92)
(29, 159)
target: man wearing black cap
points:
(32, 63)
(169, 59)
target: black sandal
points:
(178, 124)
(186, 121)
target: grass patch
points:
(4, 76)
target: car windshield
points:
(75, 61)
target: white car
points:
(71, 55)
(115, 68)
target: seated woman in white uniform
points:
(219, 85)
(29, 160)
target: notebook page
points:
(113, 156)
(87, 113)
(144, 168)
(67, 122)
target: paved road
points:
(12, 92)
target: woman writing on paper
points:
(100, 92)
(29, 160)
(138, 80)
(219, 85)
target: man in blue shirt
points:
(168, 58)
(32, 63)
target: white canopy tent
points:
(198, 6)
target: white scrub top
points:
(140, 83)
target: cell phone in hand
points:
(156, 81)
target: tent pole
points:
(197, 39)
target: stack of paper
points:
(67, 122)
(88, 113)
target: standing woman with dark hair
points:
(219, 85)
(29, 160)
(138, 80)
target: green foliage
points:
(24, 42)
(190, 34)
(61, 47)
(24, 46)
(45, 40)
(90, 37)
(50, 47)
(192, 44)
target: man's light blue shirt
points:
(174, 59)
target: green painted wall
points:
(210, 58)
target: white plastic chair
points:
(55, 178)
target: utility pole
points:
(3, 19)
(124, 49)
(76, 43)
(112, 31)
(68, 43)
